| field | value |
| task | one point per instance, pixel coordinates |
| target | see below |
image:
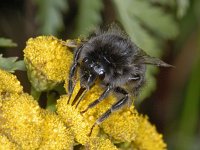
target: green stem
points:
(51, 101)
(35, 94)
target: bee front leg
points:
(72, 72)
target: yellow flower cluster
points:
(24, 125)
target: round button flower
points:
(47, 60)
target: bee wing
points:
(144, 58)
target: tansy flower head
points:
(21, 120)
(9, 84)
(147, 137)
(48, 61)
(54, 133)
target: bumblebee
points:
(110, 57)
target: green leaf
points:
(154, 19)
(89, 16)
(11, 64)
(5, 42)
(50, 15)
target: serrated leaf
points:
(50, 15)
(89, 16)
(11, 64)
(154, 19)
(5, 42)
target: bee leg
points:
(102, 97)
(119, 104)
(73, 72)
(90, 82)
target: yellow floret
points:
(48, 61)
(54, 133)
(122, 125)
(8, 84)
(22, 120)
(147, 137)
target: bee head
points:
(93, 67)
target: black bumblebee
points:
(111, 57)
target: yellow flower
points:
(21, 120)
(9, 84)
(55, 135)
(48, 61)
(24, 125)
(147, 137)
(6, 144)
(100, 144)
(122, 125)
